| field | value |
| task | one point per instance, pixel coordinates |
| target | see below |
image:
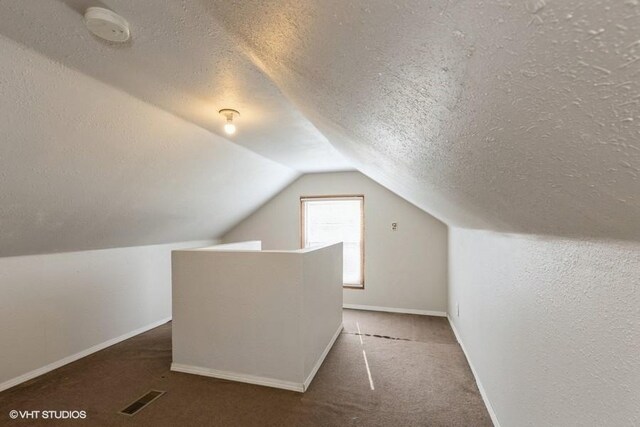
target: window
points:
(330, 219)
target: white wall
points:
(551, 326)
(321, 304)
(252, 245)
(55, 306)
(405, 269)
(256, 316)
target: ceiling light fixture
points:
(107, 24)
(228, 113)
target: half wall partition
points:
(261, 317)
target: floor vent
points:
(142, 402)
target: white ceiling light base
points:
(107, 24)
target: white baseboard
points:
(395, 310)
(307, 382)
(234, 376)
(483, 393)
(57, 364)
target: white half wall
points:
(550, 326)
(322, 301)
(56, 308)
(261, 317)
(405, 270)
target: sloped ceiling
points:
(180, 60)
(85, 166)
(517, 116)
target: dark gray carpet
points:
(419, 373)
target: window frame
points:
(339, 197)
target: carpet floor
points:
(418, 377)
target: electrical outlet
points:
(394, 226)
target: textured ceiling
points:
(180, 60)
(85, 166)
(518, 116)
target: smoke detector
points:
(107, 24)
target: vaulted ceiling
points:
(181, 60)
(517, 116)
(512, 116)
(84, 166)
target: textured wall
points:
(405, 269)
(85, 166)
(515, 116)
(551, 326)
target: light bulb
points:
(230, 128)
(229, 115)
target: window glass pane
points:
(351, 264)
(329, 221)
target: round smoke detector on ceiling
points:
(107, 24)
